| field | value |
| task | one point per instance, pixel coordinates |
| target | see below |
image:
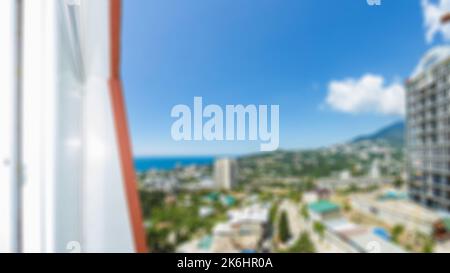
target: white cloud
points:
(369, 94)
(433, 12)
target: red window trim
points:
(123, 138)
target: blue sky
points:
(263, 52)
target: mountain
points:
(393, 134)
(329, 161)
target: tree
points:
(295, 195)
(273, 213)
(310, 184)
(428, 246)
(300, 197)
(283, 228)
(304, 212)
(398, 182)
(347, 206)
(319, 228)
(353, 188)
(303, 245)
(426, 241)
(396, 231)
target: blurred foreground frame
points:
(68, 181)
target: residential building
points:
(324, 210)
(225, 173)
(244, 231)
(428, 130)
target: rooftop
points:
(323, 206)
(434, 56)
(255, 213)
(362, 238)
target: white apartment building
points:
(225, 173)
(428, 130)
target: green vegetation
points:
(283, 228)
(173, 218)
(351, 189)
(308, 165)
(295, 196)
(396, 232)
(300, 197)
(319, 228)
(309, 184)
(398, 182)
(428, 246)
(413, 241)
(426, 243)
(302, 245)
(347, 206)
(311, 164)
(304, 212)
(293, 164)
(172, 223)
(273, 214)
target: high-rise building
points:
(225, 173)
(428, 130)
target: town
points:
(348, 198)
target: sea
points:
(143, 164)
